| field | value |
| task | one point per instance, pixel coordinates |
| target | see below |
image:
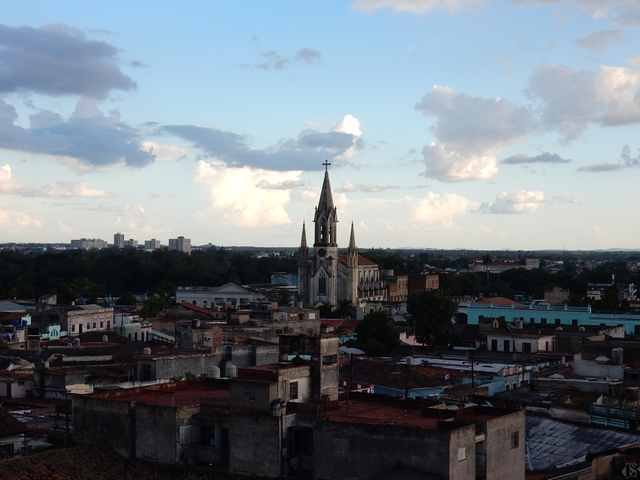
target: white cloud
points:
(441, 209)
(523, 201)
(600, 40)
(625, 12)
(235, 193)
(613, 95)
(165, 151)
(452, 165)
(9, 185)
(415, 6)
(11, 219)
(470, 131)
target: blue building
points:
(545, 314)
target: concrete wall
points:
(590, 368)
(176, 366)
(503, 460)
(99, 422)
(254, 445)
(363, 451)
(154, 433)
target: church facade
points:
(327, 277)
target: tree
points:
(377, 335)
(127, 299)
(431, 315)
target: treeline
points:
(92, 274)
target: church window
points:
(322, 286)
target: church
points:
(327, 277)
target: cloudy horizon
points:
(484, 124)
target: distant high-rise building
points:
(88, 244)
(131, 243)
(180, 244)
(118, 240)
(152, 244)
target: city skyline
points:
(213, 122)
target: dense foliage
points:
(72, 274)
(431, 315)
(377, 334)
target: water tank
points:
(213, 372)
(230, 370)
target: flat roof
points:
(370, 413)
(410, 415)
(182, 394)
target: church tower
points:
(318, 269)
(303, 267)
(352, 269)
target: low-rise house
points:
(509, 341)
(87, 318)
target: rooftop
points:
(551, 443)
(180, 394)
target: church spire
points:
(303, 240)
(326, 197)
(326, 215)
(352, 239)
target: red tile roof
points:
(362, 260)
(369, 413)
(499, 301)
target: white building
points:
(180, 244)
(227, 294)
(152, 244)
(87, 318)
(118, 240)
(520, 342)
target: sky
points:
(485, 124)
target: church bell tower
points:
(318, 270)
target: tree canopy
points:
(431, 315)
(377, 335)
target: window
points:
(94, 324)
(462, 454)
(574, 323)
(526, 347)
(293, 390)
(101, 324)
(506, 346)
(558, 322)
(322, 286)
(494, 344)
(73, 327)
(108, 325)
(546, 346)
(515, 440)
(329, 359)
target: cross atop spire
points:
(326, 164)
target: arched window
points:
(322, 285)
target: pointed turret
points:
(352, 239)
(326, 197)
(303, 240)
(325, 217)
